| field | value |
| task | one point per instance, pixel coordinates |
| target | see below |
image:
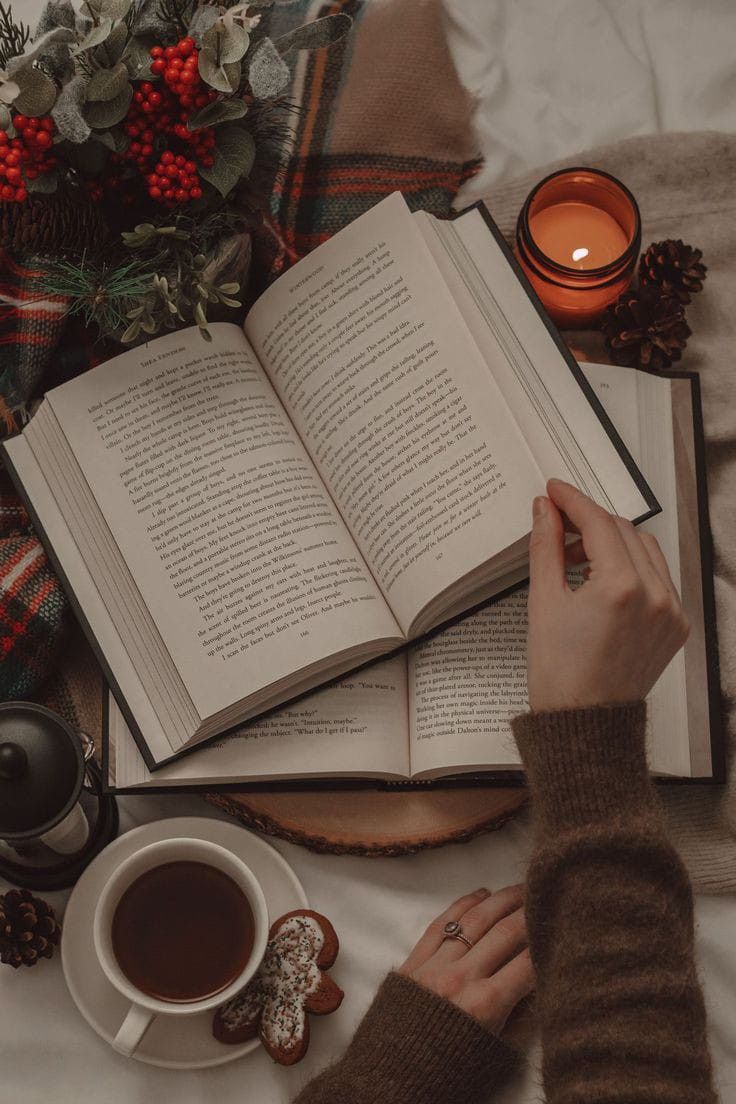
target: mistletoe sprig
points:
(151, 100)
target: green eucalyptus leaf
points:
(44, 184)
(106, 84)
(268, 73)
(223, 78)
(235, 153)
(67, 111)
(55, 13)
(217, 112)
(94, 36)
(226, 43)
(56, 36)
(202, 20)
(102, 114)
(138, 58)
(109, 52)
(106, 9)
(37, 92)
(320, 32)
(114, 140)
(131, 333)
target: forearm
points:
(609, 917)
(413, 1046)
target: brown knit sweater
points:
(610, 922)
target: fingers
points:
(433, 937)
(479, 920)
(546, 549)
(500, 944)
(604, 546)
(640, 557)
(659, 562)
(493, 999)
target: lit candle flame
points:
(579, 254)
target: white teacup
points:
(145, 1008)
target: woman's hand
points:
(609, 640)
(488, 979)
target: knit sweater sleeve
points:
(610, 918)
(413, 1047)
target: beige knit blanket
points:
(685, 185)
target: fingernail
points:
(539, 508)
(482, 892)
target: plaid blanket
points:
(381, 110)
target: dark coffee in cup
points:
(182, 931)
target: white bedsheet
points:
(552, 77)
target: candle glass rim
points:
(524, 234)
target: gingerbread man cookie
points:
(290, 982)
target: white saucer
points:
(181, 1042)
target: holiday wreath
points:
(137, 138)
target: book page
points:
(409, 431)
(359, 727)
(467, 682)
(546, 394)
(640, 405)
(465, 685)
(238, 552)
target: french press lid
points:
(41, 770)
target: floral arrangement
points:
(146, 127)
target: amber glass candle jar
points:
(577, 239)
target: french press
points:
(54, 815)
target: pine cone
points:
(674, 267)
(28, 929)
(646, 329)
(62, 224)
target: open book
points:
(241, 521)
(441, 710)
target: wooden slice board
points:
(375, 822)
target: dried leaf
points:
(37, 92)
(106, 113)
(268, 73)
(220, 111)
(106, 84)
(235, 153)
(320, 32)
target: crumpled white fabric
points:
(553, 77)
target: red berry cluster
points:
(26, 156)
(161, 113)
(179, 67)
(174, 179)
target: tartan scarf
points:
(379, 111)
(32, 603)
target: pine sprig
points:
(13, 36)
(178, 13)
(102, 293)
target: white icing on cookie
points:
(286, 978)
